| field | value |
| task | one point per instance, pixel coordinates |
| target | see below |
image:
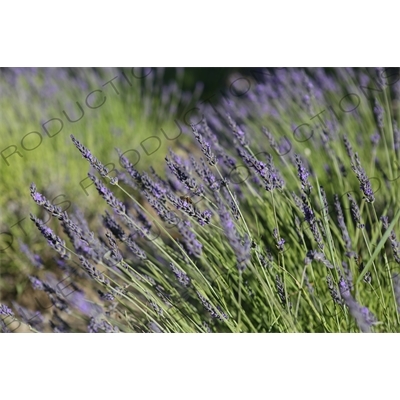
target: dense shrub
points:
(283, 219)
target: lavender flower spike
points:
(215, 313)
(240, 246)
(88, 155)
(281, 292)
(363, 316)
(205, 146)
(42, 201)
(355, 211)
(365, 184)
(303, 175)
(54, 241)
(108, 196)
(267, 172)
(4, 310)
(280, 242)
(349, 148)
(239, 134)
(180, 275)
(393, 239)
(93, 271)
(183, 174)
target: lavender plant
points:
(296, 233)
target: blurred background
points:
(104, 108)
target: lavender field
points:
(270, 205)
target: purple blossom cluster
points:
(266, 171)
(355, 211)
(205, 146)
(214, 312)
(241, 245)
(4, 310)
(183, 175)
(333, 291)
(363, 316)
(303, 174)
(310, 218)
(108, 196)
(281, 292)
(94, 162)
(280, 242)
(365, 184)
(161, 245)
(205, 174)
(181, 276)
(393, 239)
(54, 241)
(313, 255)
(237, 131)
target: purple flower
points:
(135, 249)
(108, 196)
(37, 284)
(32, 318)
(237, 131)
(215, 313)
(35, 259)
(42, 201)
(313, 255)
(240, 245)
(155, 328)
(279, 241)
(309, 216)
(4, 310)
(303, 175)
(363, 316)
(266, 171)
(189, 239)
(110, 223)
(205, 174)
(281, 292)
(205, 146)
(93, 271)
(365, 184)
(271, 139)
(100, 325)
(348, 147)
(375, 138)
(355, 211)
(129, 167)
(333, 291)
(78, 300)
(54, 241)
(155, 188)
(106, 296)
(182, 277)
(202, 217)
(88, 155)
(182, 172)
(393, 240)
